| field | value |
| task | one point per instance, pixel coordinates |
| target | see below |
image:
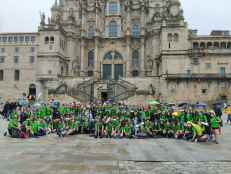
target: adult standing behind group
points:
(8, 109)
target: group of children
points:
(113, 121)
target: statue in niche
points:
(149, 64)
(71, 16)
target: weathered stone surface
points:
(86, 155)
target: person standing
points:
(215, 126)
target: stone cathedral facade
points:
(116, 49)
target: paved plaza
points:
(86, 155)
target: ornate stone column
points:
(142, 42)
(97, 35)
(82, 41)
(128, 42)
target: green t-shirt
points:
(43, 125)
(13, 123)
(35, 127)
(214, 122)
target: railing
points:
(117, 90)
(123, 90)
(198, 76)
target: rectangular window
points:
(16, 59)
(16, 50)
(136, 30)
(1, 75)
(2, 59)
(10, 39)
(2, 50)
(15, 39)
(113, 29)
(113, 8)
(32, 58)
(0, 39)
(16, 75)
(222, 71)
(4, 39)
(91, 31)
(21, 38)
(208, 65)
(27, 39)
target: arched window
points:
(113, 8)
(223, 45)
(32, 90)
(216, 45)
(195, 45)
(176, 37)
(135, 58)
(91, 58)
(108, 56)
(202, 45)
(113, 55)
(52, 40)
(209, 45)
(47, 40)
(170, 37)
(113, 29)
(136, 30)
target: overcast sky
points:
(204, 15)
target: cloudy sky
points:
(204, 15)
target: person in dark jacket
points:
(6, 110)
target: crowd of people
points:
(110, 120)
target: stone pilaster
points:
(82, 68)
(97, 61)
(129, 60)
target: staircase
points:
(117, 89)
(84, 91)
(122, 90)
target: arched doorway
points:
(32, 90)
(112, 66)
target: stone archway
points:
(32, 90)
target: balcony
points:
(46, 77)
(211, 76)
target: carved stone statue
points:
(43, 18)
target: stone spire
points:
(55, 6)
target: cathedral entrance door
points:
(107, 71)
(104, 96)
(118, 71)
